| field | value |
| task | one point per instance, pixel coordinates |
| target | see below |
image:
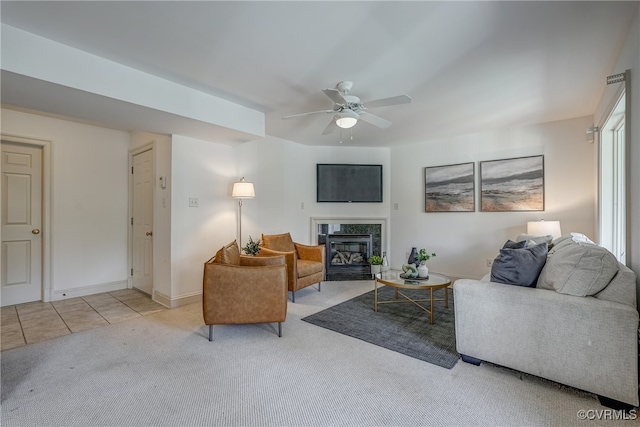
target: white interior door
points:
(21, 224)
(142, 223)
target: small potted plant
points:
(376, 264)
(252, 247)
(423, 257)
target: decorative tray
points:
(402, 276)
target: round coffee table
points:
(434, 282)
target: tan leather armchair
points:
(305, 264)
(240, 289)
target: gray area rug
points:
(401, 327)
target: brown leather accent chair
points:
(305, 264)
(241, 289)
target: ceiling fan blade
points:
(375, 120)
(306, 114)
(394, 100)
(330, 127)
(335, 96)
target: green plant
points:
(252, 247)
(424, 256)
(375, 260)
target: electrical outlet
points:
(193, 202)
(489, 262)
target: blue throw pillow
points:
(519, 267)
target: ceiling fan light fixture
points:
(347, 119)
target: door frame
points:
(146, 147)
(46, 293)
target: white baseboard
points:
(159, 297)
(60, 294)
(179, 301)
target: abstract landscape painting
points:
(512, 184)
(450, 188)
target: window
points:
(612, 205)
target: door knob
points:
(35, 231)
(149, 233)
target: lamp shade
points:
(243, 190)
(347, 119)
(544, 228)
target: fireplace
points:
(347, 256)
(353, 230)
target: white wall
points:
(89, 201)
(204, 170)
(464, 241)
(284, 176)
(90, 198)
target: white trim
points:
(173, 302)
(384, 229)
(46, 290)
(88, 290)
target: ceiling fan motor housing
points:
(344, 87)
(353, 102)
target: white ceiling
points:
(468, 66)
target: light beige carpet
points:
(160, 370)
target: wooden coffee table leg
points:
(375, 295)
(431, 306)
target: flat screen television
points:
(348, 183)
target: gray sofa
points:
(578, 326)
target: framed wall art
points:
(512, 184)
(450, 188)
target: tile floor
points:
(38, 321)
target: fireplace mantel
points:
(316, 221)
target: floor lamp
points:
(242, 190)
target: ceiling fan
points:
(348, 109)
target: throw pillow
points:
(537, 239)
(228, 254)
(579, 237)
(578, 268)
(510, 244)
(519, 267)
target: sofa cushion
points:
(228, 254)
(307, 267)
(622, 288)
(519, 267)
(578, 268)
(278, 242)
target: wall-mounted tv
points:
(348, 183)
